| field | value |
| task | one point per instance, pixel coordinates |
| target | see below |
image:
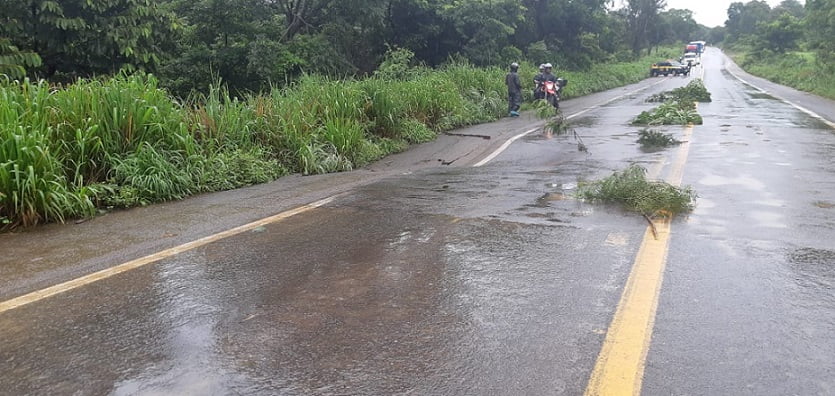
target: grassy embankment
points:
(67, 152)
(799, 70)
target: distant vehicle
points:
(691, 59)
(691, 48)
(700, 46)
(668, 67)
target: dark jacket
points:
(512, 82)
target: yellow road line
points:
(142, 261)
(619, 369)
(620, 366)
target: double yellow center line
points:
(620, 366)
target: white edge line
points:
(504, 147)
(510, 141)
(796, 106)
(152, 258)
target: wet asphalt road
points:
(479, 281)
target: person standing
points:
(514, 90)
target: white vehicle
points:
(691, 58)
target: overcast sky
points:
(710, 12)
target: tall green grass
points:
(66, 151)
(799, 70)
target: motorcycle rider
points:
(537, 82)
(545, 75)
(548, 76)
(514, 90)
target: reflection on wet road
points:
(747, 306)
(376, 294)
(482, 281)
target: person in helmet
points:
(547, 74)
(537, 82)
(514, 90)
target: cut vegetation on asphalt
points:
(632, 190)
(678, 107)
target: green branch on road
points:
(679, 107)
(650, 138)
(695, 91)
(631, 189)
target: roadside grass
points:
(798, 69)
(71, 151)
(634, 192)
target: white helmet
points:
(548, 66)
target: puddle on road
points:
(815, 267)
(807, 121)
(742, 181)
(584, 122)
(761, 95)
(545, 200)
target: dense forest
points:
(254, 44)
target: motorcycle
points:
(552, 91)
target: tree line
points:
(790, 26)
(255, 44)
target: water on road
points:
(483, 281)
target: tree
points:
(743, 19)
(84, 37)
(682, 26)
(13, 62)
(782, 34)
(485, 27)
(820, 21)
(644, 22)
(717, 34)
(573, 32)
(302, 14)
(791, 7)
